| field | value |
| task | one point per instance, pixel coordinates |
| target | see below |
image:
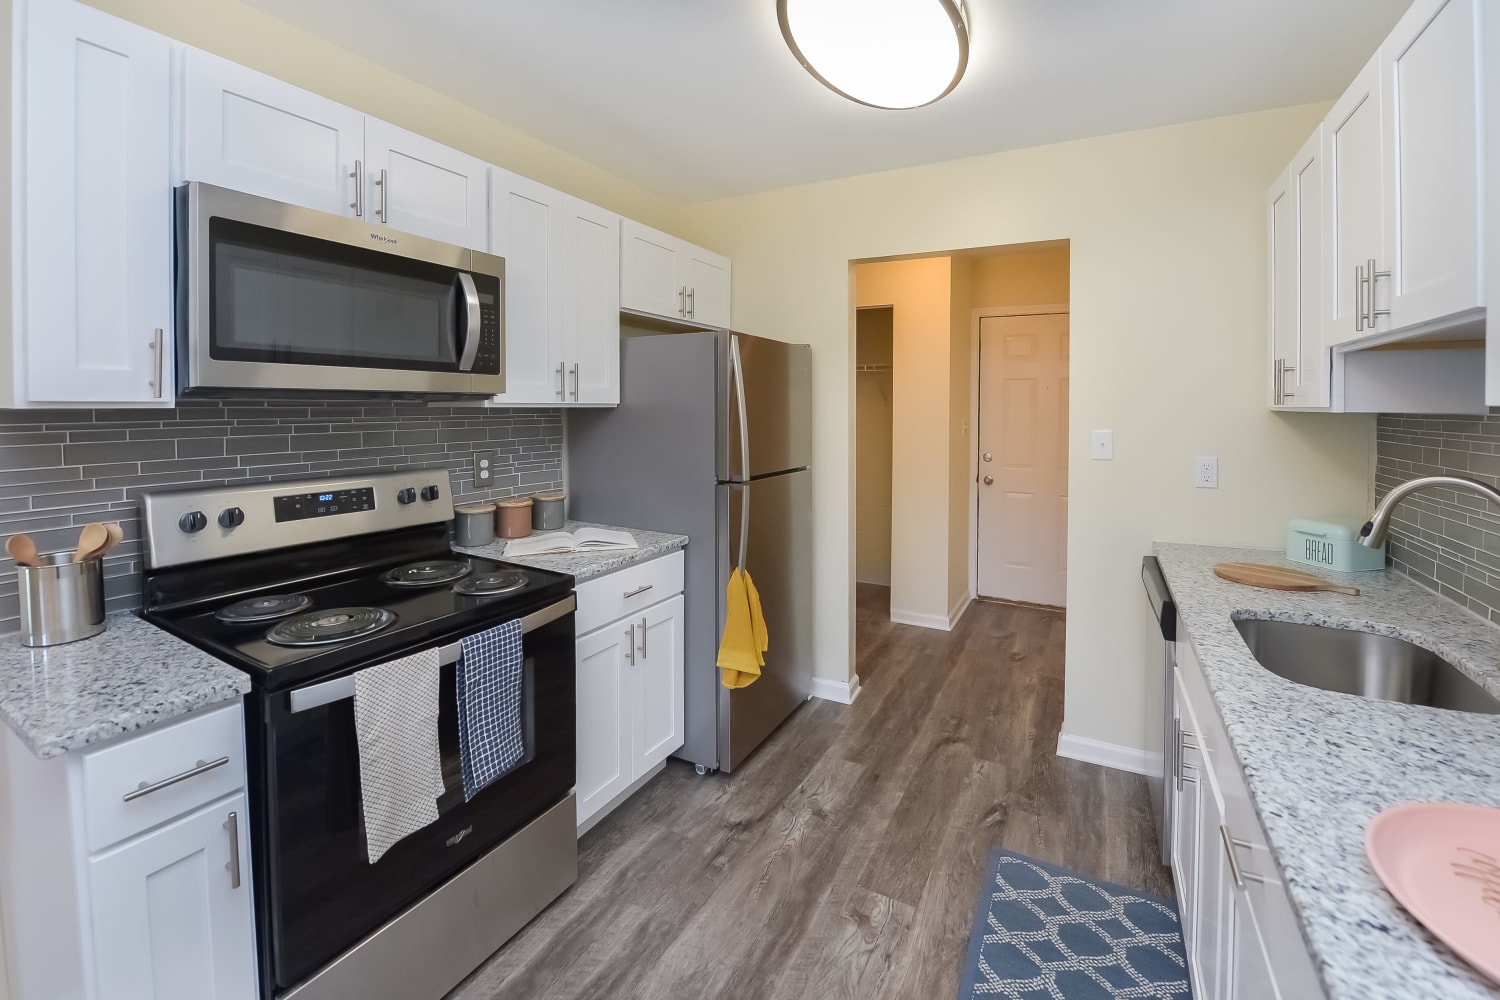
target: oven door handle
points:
(473, 318)
(318, 695)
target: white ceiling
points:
(698, 99)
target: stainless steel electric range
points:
(301, 584)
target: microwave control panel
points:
(487, 361)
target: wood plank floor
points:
(846, 857)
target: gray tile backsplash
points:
(60, 469)
(1446, 540)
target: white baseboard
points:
(959, 609)
(1108, 754)
(922, 619)
(843, 692)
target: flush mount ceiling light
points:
(882, 53)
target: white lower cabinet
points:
(630, 686)
(1242, 936)
(162, 909)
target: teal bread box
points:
(1330, 545)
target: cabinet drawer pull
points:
(232, 824)
(575, 381)
(643, 637)
(1182, 776)
(201, 768)
(692, 303)
(158, 363)
(1240, 877)
(384, 212)
(682, 301)
(630, 645)
(1370, 277)
(562, 382)
(358, 204)
(637, 592)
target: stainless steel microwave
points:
(273, 298)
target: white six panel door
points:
(1353, 216)
(425, 188)
(1023, 427)
(604, 741)
(659, 693)
(98, 182)
(526, 228)
(591, 318)
(1432, 171)
(169, 922)
(253, 133)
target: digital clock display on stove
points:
(299, 506)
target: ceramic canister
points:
(514, 517)
(474, 524)
(548, 511)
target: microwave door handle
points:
(472, 320)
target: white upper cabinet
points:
(95, 267)
(591, 293)
(1431, 109)
(661, 275)
(425, 188)
(1299, 363)
(526, 228)
(1352, 219)
(250, 132)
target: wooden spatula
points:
(1278, 578)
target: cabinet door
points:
(658, 706)
(253, 133)
(1430, 76)
(706, 276)
(1250, 975)
(591, 320)
(1313, 378)
(1281, 309)
(1213, 951)
(1353, 220)
(98, 205)
(526, 228)
(650, 277)
(425, 188)
(1185, 819)
(169, 921)
(604, 741)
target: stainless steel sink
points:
(1362, 663)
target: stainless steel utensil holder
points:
(61, 600)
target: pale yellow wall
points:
(872, 460)
(919, 292)
(960, 369)
(252, 38)
(1168, 348)
(1034, 278)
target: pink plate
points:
(1441, 860)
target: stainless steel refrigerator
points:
(713, 439)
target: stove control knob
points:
(406, 496)
(430, 493)
(192, 521)
(231, 517)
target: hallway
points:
(845, 858)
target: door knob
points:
(988, 457)
(989, 480)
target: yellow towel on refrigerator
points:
(744, 638)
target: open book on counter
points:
(577, 540)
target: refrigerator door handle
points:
(744, 489)
(738, 367)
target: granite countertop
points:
(130, 676)
(587, 565)
(1319, 765)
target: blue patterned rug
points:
(1045, 933)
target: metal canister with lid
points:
(549, 511)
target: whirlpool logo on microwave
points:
(458, 837)
(382, 238)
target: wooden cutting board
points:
(1278, 578)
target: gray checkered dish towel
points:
(396, 730)
(490, 736)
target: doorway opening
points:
(873, 358)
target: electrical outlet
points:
(484, 469)
(1206, 472)
(1103, 446)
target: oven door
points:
(319, 893)
(276, 297)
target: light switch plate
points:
(1102, 447)
(484, 470)
(1206, 472)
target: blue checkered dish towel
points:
(491, 740)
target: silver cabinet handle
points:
(1370, 277)
(562, 381)
(1359, 298)
(232, 824)
(384, 213)
(630, 645)
(692, 303)
(358, 204)
(575, 381)
(682, 301)
(1182, 776)
(158, 363)
(1240, 877)
(637, 592)
(201, 768)
(1182, 744)
(1277, 396)
(643, 637)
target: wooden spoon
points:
(91, 542)
(116, 536)
(22, 549)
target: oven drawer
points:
(182, 766)
(626, 591)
